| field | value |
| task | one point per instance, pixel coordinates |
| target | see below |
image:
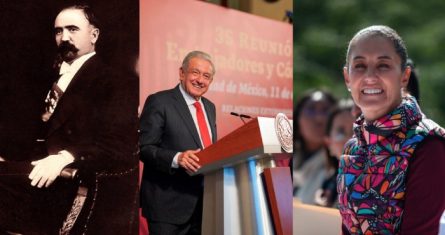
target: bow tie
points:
(65, 68)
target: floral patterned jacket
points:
(372, 172)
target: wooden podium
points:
(307, 218)
(244, 193)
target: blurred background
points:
(273, 9)
(322, 30)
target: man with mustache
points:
(89, 125)
(175, 125)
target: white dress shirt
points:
(68, 71)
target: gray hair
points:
(197, 54)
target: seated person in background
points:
(338, 131)
(308, 162)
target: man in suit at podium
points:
(175, 125)
(89, 123)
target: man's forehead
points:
(197, 62)
(71, 17)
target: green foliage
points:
(322, 30)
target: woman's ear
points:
(346, 77)
(405, 76)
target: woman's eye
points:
(383, 66)
(359, 66)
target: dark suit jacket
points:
(168, 194)
(96, 121)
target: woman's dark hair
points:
(413, 83)
(382, 31)
(299, 144)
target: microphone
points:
(245, 116)
(242, 116)
(234, 114)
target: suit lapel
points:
(73, 94)
(184, 112)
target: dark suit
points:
(170, 195)
(96, 121)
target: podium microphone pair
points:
(242, 116)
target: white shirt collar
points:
(75, 66)
(188, 98)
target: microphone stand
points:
(242, 116)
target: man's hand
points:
(189, 161)
(46, 170)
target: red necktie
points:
(203, 129)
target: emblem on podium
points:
(284, 131)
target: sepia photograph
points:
(68, 129)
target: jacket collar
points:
(407, 114)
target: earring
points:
(349, 89)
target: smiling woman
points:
(376, 71)
(390, 173)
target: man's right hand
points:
(46, 170)
(189, 161)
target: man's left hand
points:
(46, 170)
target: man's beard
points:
(66, 52)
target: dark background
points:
(27, 52)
